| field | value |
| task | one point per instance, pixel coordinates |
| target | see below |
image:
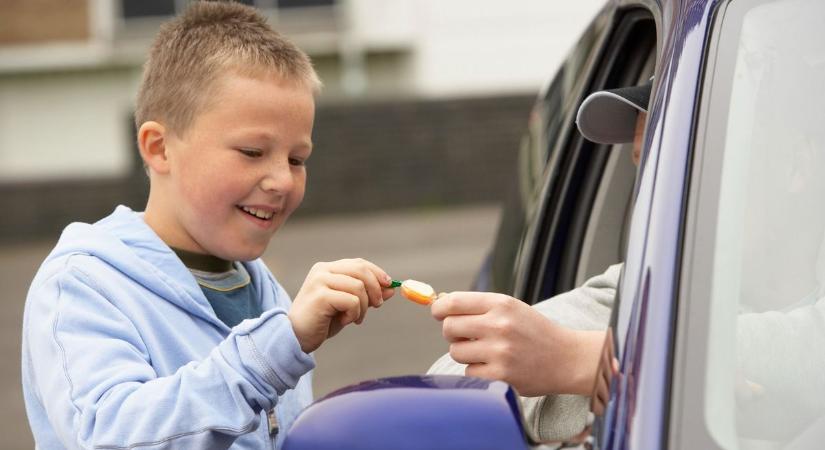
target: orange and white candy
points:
(421, 293)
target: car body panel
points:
(413, 412)
(651, 271)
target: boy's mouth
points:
(257, 213)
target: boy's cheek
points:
(298, 196)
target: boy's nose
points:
(278, 179)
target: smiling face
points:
(228, 182)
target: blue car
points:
(719, 320)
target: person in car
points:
(777, 382)
(490, 333)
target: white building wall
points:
(467, 47)
(59, 126)
(74, 123)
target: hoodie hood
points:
(124, 241)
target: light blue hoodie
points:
(121, 350)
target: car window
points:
(582, 225)
(761, 214)
(544, 129)
(605, 237)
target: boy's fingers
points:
(383, 281)
(367, 272)
(346, 305)
(352, 286)
(383, 278)
(456, 303)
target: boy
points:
(164, 329)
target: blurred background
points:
(416, 138)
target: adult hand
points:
(502, 338)
(335, 294)
(608, 368)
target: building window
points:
(154, 8)
(147, 8)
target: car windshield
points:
(765, 385)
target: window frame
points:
(577, 167)
(514, 247)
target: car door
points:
(750, 321)
(720, 321)
(638, 411)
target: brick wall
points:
(368, 156)
(38, 21)
(415, 153)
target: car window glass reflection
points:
(768, 293)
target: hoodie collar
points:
(166, 274)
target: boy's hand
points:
(335, 294)
(502, 338)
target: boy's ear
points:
(152, 143)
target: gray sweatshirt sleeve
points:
(558, 417)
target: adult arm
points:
(554, 416)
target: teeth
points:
(259, 213)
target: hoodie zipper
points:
(274, 428)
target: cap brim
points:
(607, 118)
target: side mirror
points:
(412, 412)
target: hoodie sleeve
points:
(94, 377)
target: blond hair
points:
(206, 41)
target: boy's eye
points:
(296, 162)
(251, 152)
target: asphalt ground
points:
(441, 247)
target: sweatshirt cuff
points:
(556, 418)
(273, 346)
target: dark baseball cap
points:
(609, 116)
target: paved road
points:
(443, 248)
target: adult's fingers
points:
(600, 395)
(483, 370)
(468, 352)
(460, 328)
(608, 366)
(456, 303)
